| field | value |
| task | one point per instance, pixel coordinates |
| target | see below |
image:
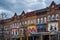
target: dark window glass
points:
(51, 27)
(55, 28)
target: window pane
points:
(49, 18)
(38, 20)
(41, 20)
(52, 17)
(57, 17)
(44, 19)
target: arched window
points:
(29, 21)
(55, 28)
(57, 17)
(25, 22)
(52, 17)
(49, 18)
(51, 27)
(34, 21)
(44, 19)
(41, 20)
(38, 20)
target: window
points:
(29, 21)
(12, 25)
(38, 20)
(51, 27)
(25, 22)
(21, 31)
(41, 20)
(12, 32)
(34, 21)
(16, 32)
(20, 23)
(44, 19)
(16, 25)
(55, 28)
(52, 17)
(49, 18)
(57, 17)
(41, 28)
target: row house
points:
(43, 24)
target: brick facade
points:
(22, 20)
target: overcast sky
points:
(11, 6)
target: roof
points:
(33, 13)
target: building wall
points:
(37, 17)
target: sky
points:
(9, 7)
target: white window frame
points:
(38, 20)
(29, 22)
(25, 22)
(49, 17)
(34, 21)
(52, 17)
(45, 19)
(41, 20)
(20, 23)
(57, 16)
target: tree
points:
(3, 16)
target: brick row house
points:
(43, 24)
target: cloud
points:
(11, 6)
(7, 12)
(29, 10)
(43, 3)
(31, 2)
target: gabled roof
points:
(23, 12)
(15, 14)
(53, 3)
(28, 14)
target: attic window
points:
(52, 6)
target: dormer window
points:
(52, 17)
(52, 6)
(57, 17)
